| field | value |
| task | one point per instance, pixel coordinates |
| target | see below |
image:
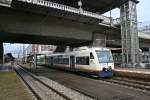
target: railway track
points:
(138, 84)
(44, 91)
(96, 88)
(143, 85)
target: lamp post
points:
(80, 5)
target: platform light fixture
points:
(80, 4)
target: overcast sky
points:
(15, 49)
(142, 11)
(143, 16)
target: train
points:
(96, 61)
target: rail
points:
(138, 84)
(45, 89)
(23, 73)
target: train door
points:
(72, 62)
(51, 60)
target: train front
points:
(106, 63)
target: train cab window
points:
(91, 55)
(104, 56)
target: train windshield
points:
(104, 56)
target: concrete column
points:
(129, 33)
(99, 40)
(1, 52)
(149, 55)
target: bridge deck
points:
(100, 6)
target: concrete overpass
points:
(52, 30)
(59, 22)
(31, 20)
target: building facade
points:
(37, 48)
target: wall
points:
(1, 52)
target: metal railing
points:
(106, 20)
(116, 21)
(142, 27)
(5, 3)
(145, 29)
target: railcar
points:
(40, 59)
(94, 61)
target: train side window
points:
(91, 55)
(82, 60)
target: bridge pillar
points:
(149, 55)
(99, 40)
(129, 34)
(1, 52)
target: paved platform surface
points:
(11, 88)
(134, 70)
(6, 67)
(143, 74)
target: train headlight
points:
(104, 69)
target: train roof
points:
(91, 48)
(79, 49)
(59, 54)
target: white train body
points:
(95, 64)
(96, 61)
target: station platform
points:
(6, 67)
(136, 73)
(10, 85)
(134, 70)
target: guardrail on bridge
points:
(103, 19)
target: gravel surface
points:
(41, 90)
(74, 95)
(6, 67)
(94, 87)
(47, 94)
(11, 88)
